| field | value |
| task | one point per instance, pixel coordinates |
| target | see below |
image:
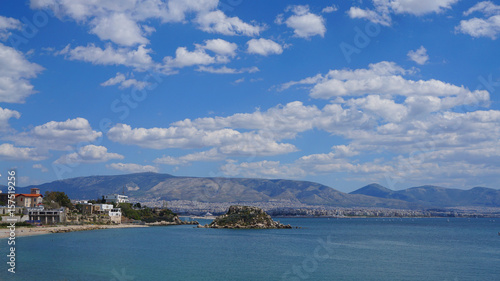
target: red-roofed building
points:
(33, 199)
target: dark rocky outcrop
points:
(245, 217)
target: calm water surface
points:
(324, 249)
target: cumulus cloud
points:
(228, 141)
(124, 82)
(267, 169)
(125, 24)
(419, 7)
(184, 58)
(41, 167)
(7, 24)
(381, 13)
(121, 22)
(373, 16)
(5, 115)
(227, 70)
(419, 56)
(203, 156)
(139, 58)
(132, 168)
(223, 50)
(277, 122)
(383, 78)
(220, 47)
(10, 152)
(304, 23)
(118, 28)
(88, 154)
(218, 22)
(264, 47)
(488, 26)
(55, 135)
(15, 72)
(329, 9)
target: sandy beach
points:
(29, 231)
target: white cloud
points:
(220, 47)
(304, 23)
(120, 29)
(55, 135)
(7, 24)
(482, 27)
(419, 7)
(120, 21)
(385, 108)
(373, 16)
(5, 115)
(419, 56)
(124, 82)
(227, 70)
(329, 9)
(41, 167)
(184, 58)
(204, 156)
(88, 154)
(264, 47)
(381, 14)
(486, 7)
(15, 72)
(228, 141)
(139, 59)
(11, 152)
(223, 50)
(218, 22)
(262, 169)
(383, 78)
(277, 123)
(132, 168)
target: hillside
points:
(215, 190)
(240, 190)
(435, 196)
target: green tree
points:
(56, 199)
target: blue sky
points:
(344, 93)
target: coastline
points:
(32, 231)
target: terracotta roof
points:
(29, 195)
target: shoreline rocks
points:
(245, 217)
(176, 221)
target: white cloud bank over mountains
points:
(433, 126)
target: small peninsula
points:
(245, 217)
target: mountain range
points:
(222, 190)
(435, 196)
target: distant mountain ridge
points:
(223, 190)
(435, 196)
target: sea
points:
(321, 249)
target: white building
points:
(117, 198)
(116, 215)
(104, 207)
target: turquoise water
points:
(324, 249)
